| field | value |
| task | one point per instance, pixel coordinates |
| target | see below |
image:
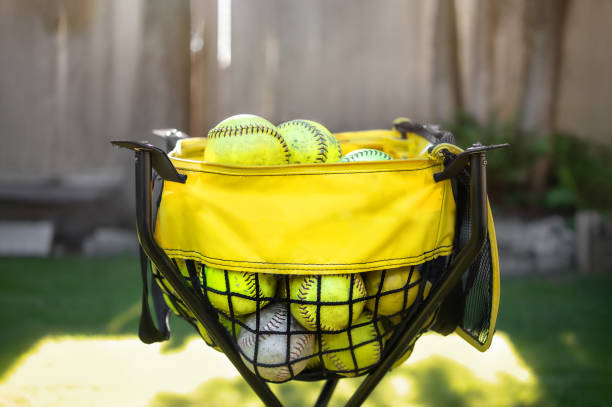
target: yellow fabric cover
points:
(311, 218)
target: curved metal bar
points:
(326, 392)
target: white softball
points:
(272, 360)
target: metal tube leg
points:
(400, 341)
(167, 268)
(326, 392)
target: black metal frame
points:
(149, 157)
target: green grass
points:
(560, 326)
(41, 297)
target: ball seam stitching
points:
(334, 357)
(219, 132)
(294, 353)
(302, 296)
(250, 337)
(320, 138)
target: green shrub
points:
(579, 176)
(583, 171)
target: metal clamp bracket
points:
(159, 160)
(460, 161)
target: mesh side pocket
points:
(475, 301)
(477, 287)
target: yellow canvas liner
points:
(307, 219)
(315, 218)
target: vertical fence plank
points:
(328, 62)
(203, 71)
(585, 86)
(447, 95)
(546, 22)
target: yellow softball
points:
(403, 358)
(407, 354)
(399, 290)
(366, 154)
(180, 308)
(397, 319)
(167, 290)
(226, 323)
(335, 151)
(314, 363)
(334, 288)
(246, 140)
(366, 343)
(310, 142)
(242, 289)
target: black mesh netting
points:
(477, 282)
(477, 287)
(308, 327)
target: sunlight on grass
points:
(501, 358)
(442, 371)
(445, 371)
(107, 371)
(121, 371)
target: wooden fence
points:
(75, 74)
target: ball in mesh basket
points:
(240, 290)
(277, 352)
(354, 355)
(226, 323)
(169, 294)
(395, 290)
(339, 300)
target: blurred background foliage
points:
(579, 175)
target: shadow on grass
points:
(432, 382)
(561, 326)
